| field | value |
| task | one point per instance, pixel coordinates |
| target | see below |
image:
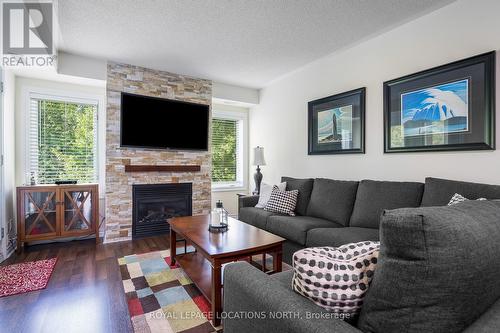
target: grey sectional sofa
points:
(335, 212)
(438, 266)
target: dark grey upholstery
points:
(285, 278)
(488, 322)
(254, 216)
(340, 236)
(289, 248)
(332, 200)
(295, 227)
(248, 201)
(438, 269)
(375, 196)
(304, 186)
(250, 291)
(438, 192)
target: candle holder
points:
(218, 219)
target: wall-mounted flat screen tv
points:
(159, 123)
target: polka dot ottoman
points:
(336, 278)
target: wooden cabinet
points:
(47, 212)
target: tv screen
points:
(150, 122)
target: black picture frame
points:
(354, 100)
(471, 127)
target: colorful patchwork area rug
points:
(161, 298)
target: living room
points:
(240, 166)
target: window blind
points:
(62, 140)
(225, 149)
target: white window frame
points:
(241, 182)
(63, 96)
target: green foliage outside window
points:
(224, 148)
(66, 141)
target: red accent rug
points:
(160, 297)
(25, 277)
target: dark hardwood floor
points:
(85, 292)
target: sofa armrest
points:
(255, 302)
(247, 201)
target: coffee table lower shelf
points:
(199, 270)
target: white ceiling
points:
(242, 42)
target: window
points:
(62, 139)
(228, 136)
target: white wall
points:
(80, 66)
(279, 123)
(227, 92)
(24, 86)
(8, 146)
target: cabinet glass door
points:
(39, 213)
(77, 211)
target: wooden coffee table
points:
(204, 266)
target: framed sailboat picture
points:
(450, 107)
(336, 124)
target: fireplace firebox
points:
(153, 204)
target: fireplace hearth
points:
(154, 204)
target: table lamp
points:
(258, 160)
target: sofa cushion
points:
(285, 278)
(340, 236)
(332, 200)
(439, 191)
(304, 186)
(437, 271)
(289, 248)
(375, 196)
(254, 216)
(295, 227)
(488, 322)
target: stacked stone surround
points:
(143, 81)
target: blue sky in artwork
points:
(414, 101)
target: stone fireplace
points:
(119, 182)
(154, 204)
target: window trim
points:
(28, 91)
(241, 183)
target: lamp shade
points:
(258, 156)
